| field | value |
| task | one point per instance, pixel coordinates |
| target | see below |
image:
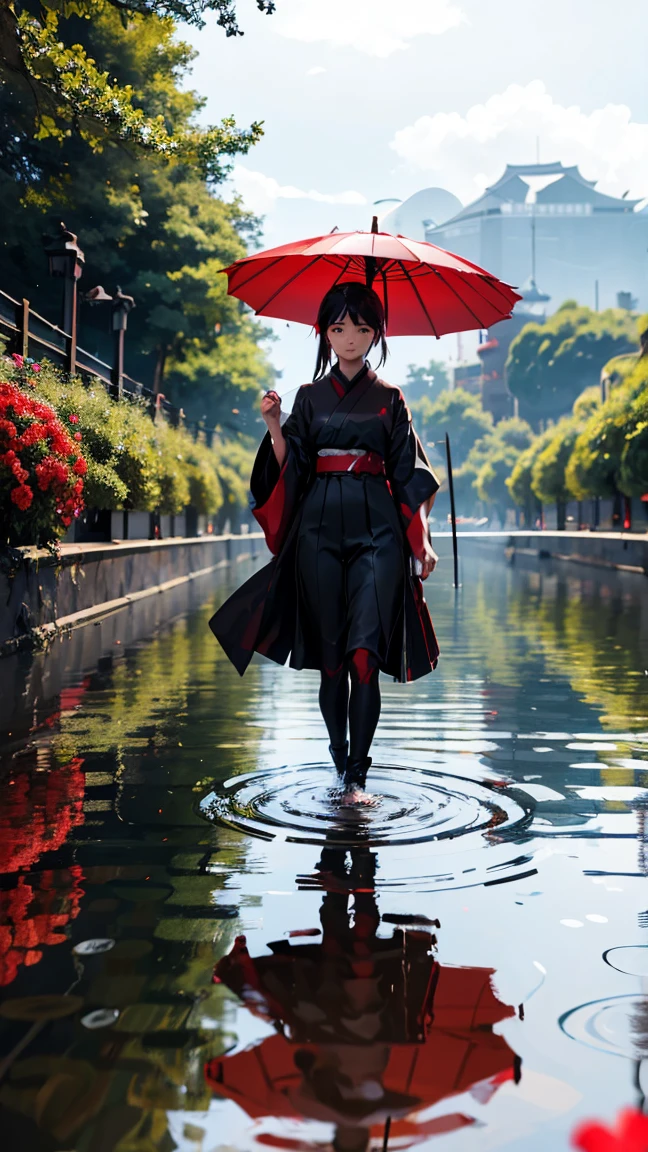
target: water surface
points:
(462, 960)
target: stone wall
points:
(40, 593)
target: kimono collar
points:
(347, 384)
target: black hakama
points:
(342, 576)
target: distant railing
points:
(30, 334)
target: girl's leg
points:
(364, 705)
(334, 706)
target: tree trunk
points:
(158, 376)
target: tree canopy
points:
(147, 222)
(519, 481)
(609, 453)
(459, 414)
(490, 460)
(62, 85)
(550, 364)
(427, 381)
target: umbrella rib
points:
(488, 280)
(342, 273)
(459, 298)
(258, 271)
(288, 283)
(419, 298)
(479, 280)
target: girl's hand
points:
(271, 409)
(429, 560)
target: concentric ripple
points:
(406, 806)
(615, 1025)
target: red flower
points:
(80, 467)
(21, 474)
(629, 1135)
(35, 367)
(73, 418)
(22, 496)
(9, 428)
(17, 359)
(35, 432)
(78, 436)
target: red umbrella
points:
(426, 290)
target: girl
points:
(342, 490)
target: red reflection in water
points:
(40, 810)
(370, 1030)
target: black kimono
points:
(342, 577)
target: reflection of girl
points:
(342, 490)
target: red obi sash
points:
(369, 462)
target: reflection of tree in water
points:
(138, 867)
(591, 631)
(369, 1030)
(639, 1026)
(585, 633)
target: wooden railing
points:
(30, 334)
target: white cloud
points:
(316, 71)
(377, 27)
(467, 153)
(260, 192)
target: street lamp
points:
(66, 261)
(121, 306)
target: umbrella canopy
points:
(425, 290)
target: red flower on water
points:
(22, 496)
(73, 418)
(630, 1134)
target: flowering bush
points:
(130, 460)
(41, 469)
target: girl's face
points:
(350, 341)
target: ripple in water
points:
(616, 1025)
(409, 806)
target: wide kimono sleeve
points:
(276, 492)
(411, 478)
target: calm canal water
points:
(465, 961)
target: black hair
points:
(360, 303)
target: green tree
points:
(427, 381)
(152, 225)
(61, 86)
(519, 482)
(489, 456)
(550, 364)
(594, 467)
(633, 474)
(490, 482)
(548, 471)
(459, 414)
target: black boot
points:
(340, 757)
(355, 776)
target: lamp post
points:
(121, 306)
(66, 260)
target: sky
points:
(364, 100)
